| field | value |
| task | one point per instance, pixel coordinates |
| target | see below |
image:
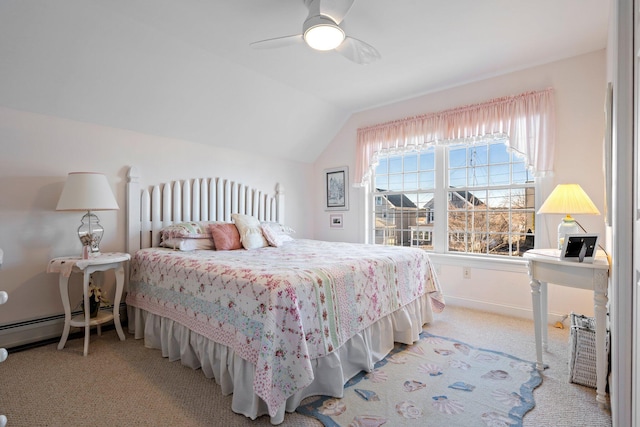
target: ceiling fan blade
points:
(358, 51)
(277, 42)
(335, 9)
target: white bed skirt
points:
(235, 375)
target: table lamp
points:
(568, 199)
(88, 191)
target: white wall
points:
(108, 63)
(37, 153)
(579, 85)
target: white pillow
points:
(191, 230)
(188, 244)
(277, 227)
(250, 231)
(274, 233)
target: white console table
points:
(546, 266)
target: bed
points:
(275, 323)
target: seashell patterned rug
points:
(436, 381)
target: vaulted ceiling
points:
(184, 69)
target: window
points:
(483, 192)
(404, 187)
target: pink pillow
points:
(225, 237)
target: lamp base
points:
(568, 225)
(91, 232)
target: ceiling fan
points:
(321, 31)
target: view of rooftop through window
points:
(486, 197)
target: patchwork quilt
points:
(279, 308)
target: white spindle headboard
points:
(153, 207)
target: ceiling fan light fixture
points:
(323, 34)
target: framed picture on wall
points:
(335, 221)
(336, 189)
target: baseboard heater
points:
(41, 329)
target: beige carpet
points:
(126, 384)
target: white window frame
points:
(440, 247)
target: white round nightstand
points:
(64, 266)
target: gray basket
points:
(582, 350)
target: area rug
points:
(437, 381)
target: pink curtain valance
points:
(526, 120)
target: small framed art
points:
(579, 247)
(335, 220)
(336, 189)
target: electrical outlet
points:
(466, 272)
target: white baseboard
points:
(35, 330)
(502, 309)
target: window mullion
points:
(440, 202)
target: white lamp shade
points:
(87, 191)
(568, 199)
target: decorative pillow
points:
(225, 236)
(250, 231)
(274, 236)
(186, 230)
(277, 227)
(188, 244)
